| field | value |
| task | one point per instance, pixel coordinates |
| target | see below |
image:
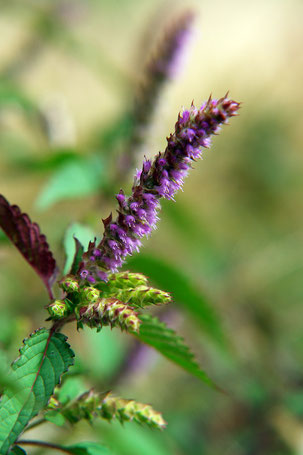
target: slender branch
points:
(48, 445)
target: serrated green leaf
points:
(184, 292)
(83, 234)
(73, 179)
(88, 448)
(35, 374)
(165, 340)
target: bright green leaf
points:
(184, 292)
(156, 334)
(83, 233)
(35, 374)
(73, 179)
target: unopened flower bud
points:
(143, 296)
(126, 280)
(69, 284)
(89, 295)
(128, 410)
(59, 309)
(108, 312)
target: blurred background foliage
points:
(230, 249)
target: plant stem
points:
(47, 445)
(57, 325)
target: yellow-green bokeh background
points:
(240, 238)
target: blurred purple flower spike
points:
(169, 57)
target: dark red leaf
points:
(26, 236)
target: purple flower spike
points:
(137, 214)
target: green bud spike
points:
(69, 284)
(142, 296)
(129, 410)
(59, 309)
(126, 280)
(106, 406)
(89, 295)
(108, 312)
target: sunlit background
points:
(69, 74)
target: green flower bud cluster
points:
(91, 405)
(130, 410)
(69, 284)
(132, 289)
(89, 295)
(107, 303)
(108, 311)
(126, 280)
(143, 296)
(75, 295)
(59, 309)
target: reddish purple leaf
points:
(26, 236)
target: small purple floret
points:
(91, 279)
(83, 273)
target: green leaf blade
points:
(35, 374)
(156, 334)
(76, 239)
(74, 179)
